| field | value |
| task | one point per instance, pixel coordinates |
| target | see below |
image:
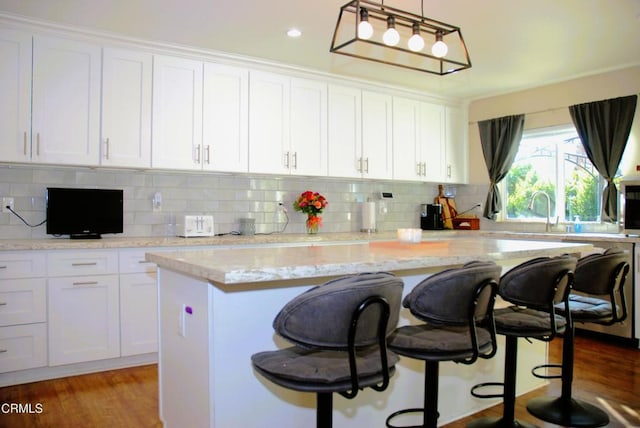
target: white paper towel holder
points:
(368, 217)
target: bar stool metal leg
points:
(566, 410)
(431, 394)
(324, 412)
(508, 419)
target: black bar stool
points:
(457, 307)
(533, 288)
(340, 330)
(596, 276)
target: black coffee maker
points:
(431, 217)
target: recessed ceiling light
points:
(294, 32)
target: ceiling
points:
(513, 44)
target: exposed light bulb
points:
(391, 37)
(416, 42)
(365, 29)
(439, 48)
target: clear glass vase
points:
(313, 224)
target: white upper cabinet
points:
(177, 113)
(456, 145)
(66, 101)
(308, 149)
(360, 133)
(15, 101)
(345, 131)
(287, 125)
(377, 135)
(225, 118)
(408, 161)
(269, 123)
(126, 108)
(418, 140)
(432, 141)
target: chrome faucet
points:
(533, 197)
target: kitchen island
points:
(216, 308)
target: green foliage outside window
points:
(553, 161)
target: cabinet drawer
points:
(23, 301)
(72, 263)
(23, 347)
(133, 261)
(22, 264)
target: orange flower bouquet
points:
(311, 203)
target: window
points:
(553, 161)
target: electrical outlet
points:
(7, 202)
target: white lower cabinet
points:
(138, 314)
(138, 304)
(84, 314)
(83, 319)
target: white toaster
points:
(189, 226)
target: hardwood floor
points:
(606, 375)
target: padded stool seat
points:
(519, 321)
(312, 370)
(588, 308)
(340, 331)
(437, 342)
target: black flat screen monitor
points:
(84, 213)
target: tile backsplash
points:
(227, 197)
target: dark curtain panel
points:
(604, 127)
(500, 139)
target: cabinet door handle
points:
(208, 150)
(424, 169)
(295, 160)
(449, 171)
(198, 153)
(84, 264)
(24, 142)
(3, 267)
(286, 160)
(3, 303)
(366, 165)
(85, 283)
(106, 148)
(38, 144)
(144, 262)
(2, 351)
(359, 165)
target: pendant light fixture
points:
(378, 32)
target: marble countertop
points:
(289, 239)
(175, 241)
(560, 236)
(259, 265)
